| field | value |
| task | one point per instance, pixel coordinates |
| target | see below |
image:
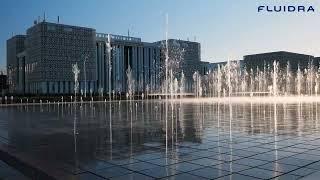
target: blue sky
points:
(225, 28)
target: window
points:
(67, 29)
(51, 28)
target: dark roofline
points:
(186, 41)
(17, 36)
(67, 25)
(278, 52)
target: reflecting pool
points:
(168, 139)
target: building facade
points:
(265, 60)
(51, 50)
(184, 56)
(132, 62)
(40, 62)
(15, 46)
(3, 84)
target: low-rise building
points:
(265, 60)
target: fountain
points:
(147, 90)
(171, 74)
(166, 58)
(298, 81)
(316, 87)
(76, 71)
(197, 84)
(85, 75)
(109, 48)
(275, 78)
(233, 104)
(101, 93)
(288, 80)
(91, 91)
(130, 84)
(232, 81)
(182, 84)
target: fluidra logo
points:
(301, 9)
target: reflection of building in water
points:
(50, 134)
(3, 83)
(263, 118)
(150, 126)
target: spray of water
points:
(76, 71)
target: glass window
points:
(67, 29)
(51, 28)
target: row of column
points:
(144, 62)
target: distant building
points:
(204, 67)
(3, 84)
(207, 67)
(15, 46)
(316, 61)
(266, 60)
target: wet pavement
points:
(9, 173)
(163, 140)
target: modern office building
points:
(266, 59)
(184, 56)
(3, 83)
(204, 67)
(40, 62)
(15, 46)
(51, 50)
(143, 59)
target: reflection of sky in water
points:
(121, 130)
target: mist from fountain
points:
(182, 84)
(130, 83)
(76, 71)
(109, 48)
(230, 80)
